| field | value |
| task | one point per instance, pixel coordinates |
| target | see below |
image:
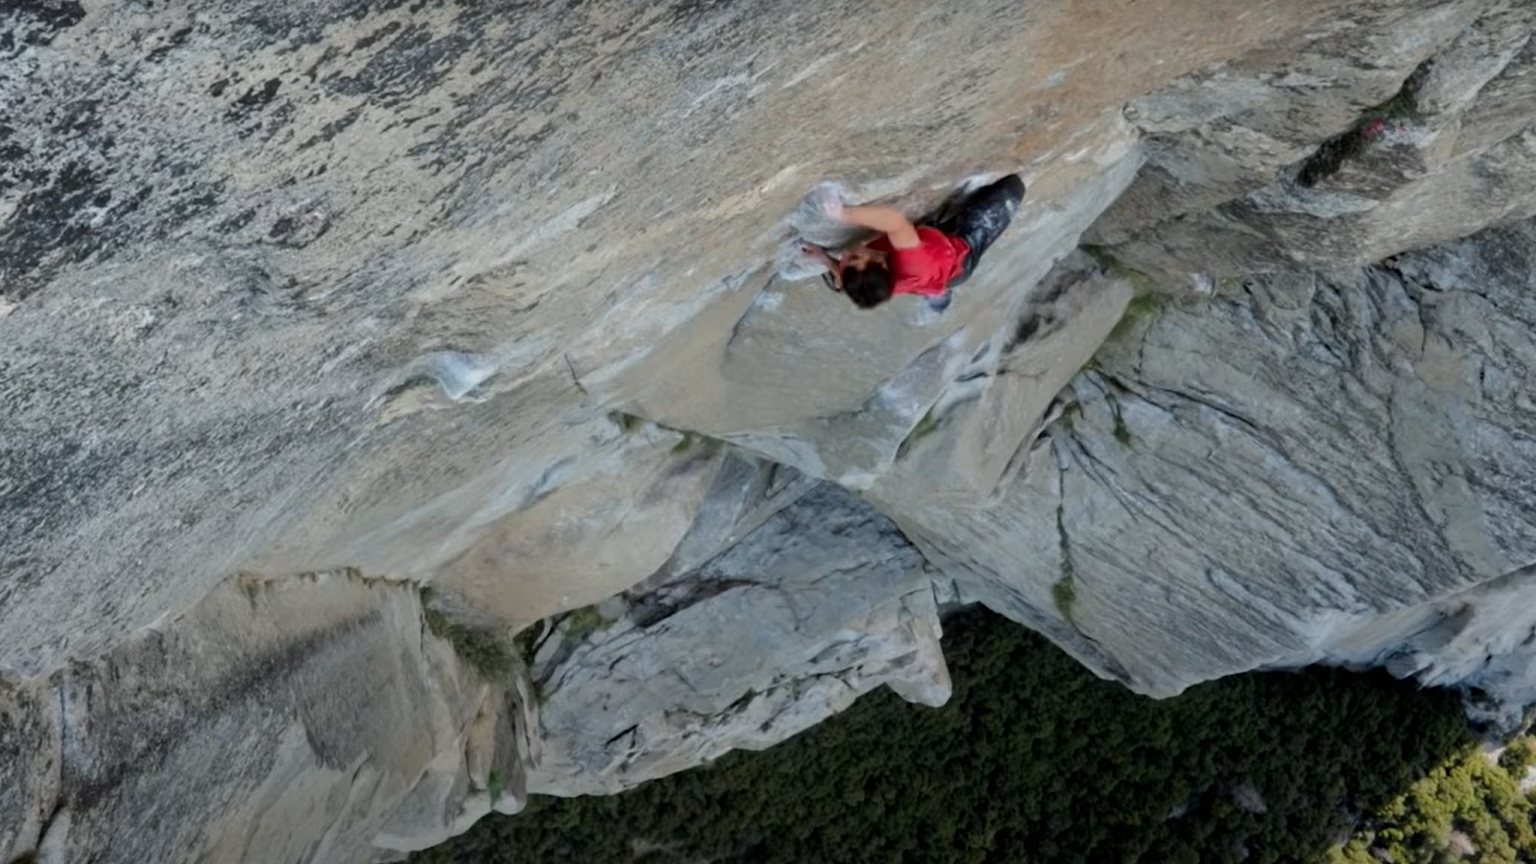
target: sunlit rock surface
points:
(481, 297)
(247, 729)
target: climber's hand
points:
(828, 199)
(812, 252)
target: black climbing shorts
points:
(979, 218)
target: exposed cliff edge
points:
(480, 299)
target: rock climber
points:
(927, 259)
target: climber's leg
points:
(982, 217)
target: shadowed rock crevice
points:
(1373, 123)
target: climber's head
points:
(865, 277)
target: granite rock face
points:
(351, 285)
(1261, 167)
(1360, 450)
(482, 297)
(246, 730)
(819, 603)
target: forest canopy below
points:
(1037, 760)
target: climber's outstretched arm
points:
(887, 220)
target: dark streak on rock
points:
(333, 128)
(372, 38)
(11, 153)
(36, 22)
(185, 206)
(92, 774)
(134, 203)
(237, 221)
(279, 117)
(410, 64)
(649, 609)
(44, 229)
(694, 11)
(79, 117)
(331, 53)
(175, 41)
(298, 232)
(294, 27)
(282, 227)
(254, 99)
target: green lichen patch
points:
(925, 427)
(1143, 307)
(483, 649)
(1064, 595)
(583, 622)
(1122, 431)
(629, 423)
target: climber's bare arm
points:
(834, 274)
(819, 255)
(887, 220)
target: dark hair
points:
(869, 287)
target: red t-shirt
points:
(927, 268)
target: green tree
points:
(1036, 760)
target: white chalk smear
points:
(458, 373)
(554, 228)
(816, 66)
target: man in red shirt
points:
(927, 260)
